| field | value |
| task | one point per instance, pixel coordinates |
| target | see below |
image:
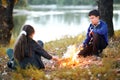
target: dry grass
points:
(107, 71)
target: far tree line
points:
(25, 3)
(64, 2)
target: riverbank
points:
(107, 68)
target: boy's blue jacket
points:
(100, 29)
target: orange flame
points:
(69, 58)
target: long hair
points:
(23, 43)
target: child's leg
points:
(40, 43)
(9, 52)
(87, 51)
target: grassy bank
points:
(108, 70)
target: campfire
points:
(69, 59)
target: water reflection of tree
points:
(42, 20)
(73, 18)
(116, 20)
(18, 23)
(116, 17)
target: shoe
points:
(97, 57)
(100, 51)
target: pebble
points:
(99, 75)
(0, 59)
(4, 73)
(6, 57)
(5, 66)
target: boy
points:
(96, 37)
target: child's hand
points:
(81, 46)
(91, 33)
(55, 58)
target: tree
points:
(21, 4)
(6, 22)
(105, 8)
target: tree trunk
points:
(6, 22)
(105, 8)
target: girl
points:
(27, 51)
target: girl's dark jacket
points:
(35, 59)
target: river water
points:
(52, 22)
